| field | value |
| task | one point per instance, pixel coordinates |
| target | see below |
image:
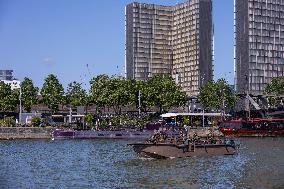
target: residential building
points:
(259, 41)
(7, 77)
(173, 40)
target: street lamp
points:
(20, 99)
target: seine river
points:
(112, 164)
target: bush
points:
(36, 121)
(89, 119)
(8, 122)
(44, 122)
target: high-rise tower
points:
(170, 39)
(259, 55)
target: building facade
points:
(7, 77)
(173, 40)
(259, 54)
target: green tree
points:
(100, 91)
(276, 89)
(146, 100)
(217, 95)
(52, 93)
(276, 86)
(120, 93)
(29, 94)
(76, 95)
(89, 119)
(162, 91)
(9, 98)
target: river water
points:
(112, 164)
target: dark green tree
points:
(276, 89)
(76, 95)
(162, 91)
(276, 86)
(29, 94)
(217, 95)
(146, 101)
(52, 93)
(121, 93)
(9, 99)
(99, 92)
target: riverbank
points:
(7, 133)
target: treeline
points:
(113, 92)
(159, 92)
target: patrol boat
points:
(159, 146)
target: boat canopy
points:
(194, 114)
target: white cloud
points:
(48, 61)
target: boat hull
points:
(91, 134)
(252, 133)
(252, 127)
(161, 151)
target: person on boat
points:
(158, 137)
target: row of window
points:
(268, 22)
(266, 59)
(272, 11)
(149, 16)
(258, 80)
(155, 22)
(277, 31)
(266, 41)
(267, 53)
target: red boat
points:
(253, 127)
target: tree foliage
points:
(275, 88)
(217, 95)
(29, 94)
(89, 119)
(52, 93)
(164, 93)
(121, 93)
(100, 91)
(76, 95)
(9, 98)
(116, 92)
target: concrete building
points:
(259, 54)
(173, 40)
(7, 77)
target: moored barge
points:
(252, 127)
(104, 134)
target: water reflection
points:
(113, 164)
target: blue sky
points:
(78, 39)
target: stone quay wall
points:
(7, 133)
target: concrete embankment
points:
(7, 133)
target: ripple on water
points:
(113, 164)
